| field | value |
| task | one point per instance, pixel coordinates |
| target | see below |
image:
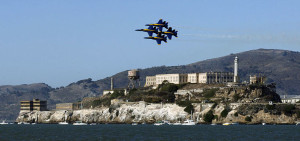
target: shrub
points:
(209, 116)
(215, 116)
(298, 114)
(214, 106)
(169, 87)
(224, 113)
(189, 108)
(288, 109)
(104, 102)
(209, 93)
(236, 97)
(236, 114)
(270, 107)
(183, 103)
(248, 119)
(117, 93)
(96, 103)
(132, 91)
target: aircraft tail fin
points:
(160, 21)
(150, 27)
(169, 36)
(165, 39)
(158, 42)
(175, 34)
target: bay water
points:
(149, 132)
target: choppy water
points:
(149, 132)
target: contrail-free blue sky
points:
(62, 41)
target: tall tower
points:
(134, 77)
(111, 83)
(236, 67)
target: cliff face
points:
(149, 113)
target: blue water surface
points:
(149, 132)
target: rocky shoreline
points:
(142, 112)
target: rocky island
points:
(204, 103)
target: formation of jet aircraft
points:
(158, 30)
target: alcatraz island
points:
(204, 98)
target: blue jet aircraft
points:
(150, 30)
(170, 32)
(158, 38)
(160, 24)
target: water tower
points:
(134, 77)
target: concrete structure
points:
(179, 94)
(111, 83)
(150, 81)
(207, 77)
(34, 105)
(257, 79)
(105, 92)
(215, 77)
(171, 78)
(134, 77)
(290, 99)
(236, 77)
(65, 106)
(192, 78)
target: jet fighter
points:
(158, 38)
(150, 30)
(160, 24)
(169, 33)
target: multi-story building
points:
(257, 79)
(215, 77)
(192, 78)
(207, 77)
(150, 81)
(34, 105)
(171, 78)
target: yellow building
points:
(34, 105)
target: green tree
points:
(248, 119)
(189, 108)
(209, 116)
(224, 113)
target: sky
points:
(58, 42)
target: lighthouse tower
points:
(236, 77)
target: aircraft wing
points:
(169, 36)
(150, 33)
(160, 28)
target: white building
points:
(150, 81)
(290, 99)
(207, 77)
(215, 77)
(192, 78)
(171, 78)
